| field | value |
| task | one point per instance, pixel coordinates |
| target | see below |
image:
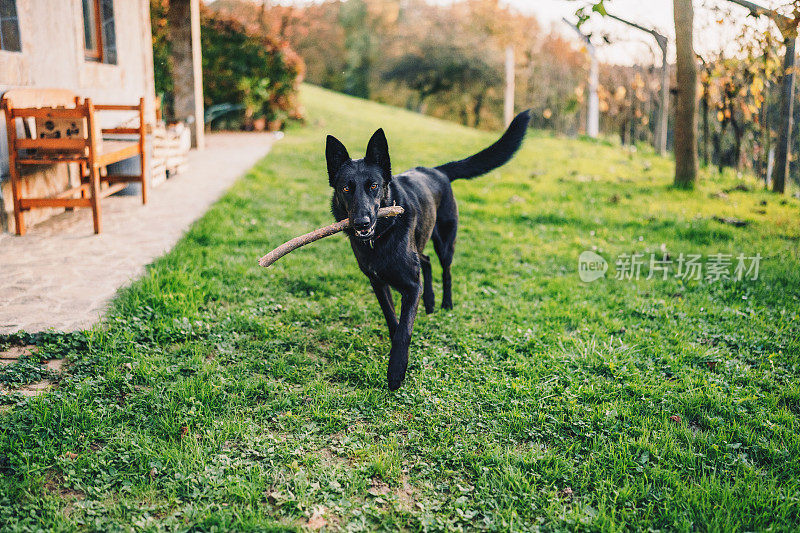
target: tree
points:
(440, 67)
(685, 130)
(363, 21)
(346, 46)
(359, 44)
(736, 86)
(663, 114)
(593, 104)
(241, 65)
(788, 29)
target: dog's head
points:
(359, 185)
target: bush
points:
(239, 67)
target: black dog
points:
(389, 250)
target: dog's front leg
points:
(384, 296)
(398, 356)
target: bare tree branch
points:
(320, 233)
(785, 24)
(661, 40)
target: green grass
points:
(221, 396)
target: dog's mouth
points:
(365, 234)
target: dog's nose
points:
(361, 222)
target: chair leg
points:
(85, 177)
(96, 210)
(16, 193)
(142, 150)
(80, 179)
(144, 181)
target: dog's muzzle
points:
(363, 227)
(365, 233)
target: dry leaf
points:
(317, 521)
(676, 419)
(378, 488)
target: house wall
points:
(53, 56)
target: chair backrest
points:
(52, 119)
(34, 97)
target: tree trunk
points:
(723, 130)
(593, 109)
(477, 109)
(634, 118)
(685, 136)
(187, 72)
(783, 154)
(737, 145)
(766, 141)
(662, 126)
(706, 132)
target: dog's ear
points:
(336, 155)
(378, 154)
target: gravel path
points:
(61, 275)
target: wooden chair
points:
(83, 143)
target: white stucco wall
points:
(53, 56)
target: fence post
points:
(508, 107)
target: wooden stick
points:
(320, 233)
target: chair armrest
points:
(116, 107)
(121, 131)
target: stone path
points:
(61, 275)
(10, 357)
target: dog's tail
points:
(492, 157)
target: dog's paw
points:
(447, 305)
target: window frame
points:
(15, 19)
(99, 53)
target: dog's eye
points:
(346, 188)
(373, 186)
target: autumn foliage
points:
(442, 60)
(243, 65)
(446, 59)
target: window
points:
(9, 26)
(100, 42)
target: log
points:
(320, 233)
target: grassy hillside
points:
(221, 395)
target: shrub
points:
(240, 66)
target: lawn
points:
(218, 395)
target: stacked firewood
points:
(171, 145)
